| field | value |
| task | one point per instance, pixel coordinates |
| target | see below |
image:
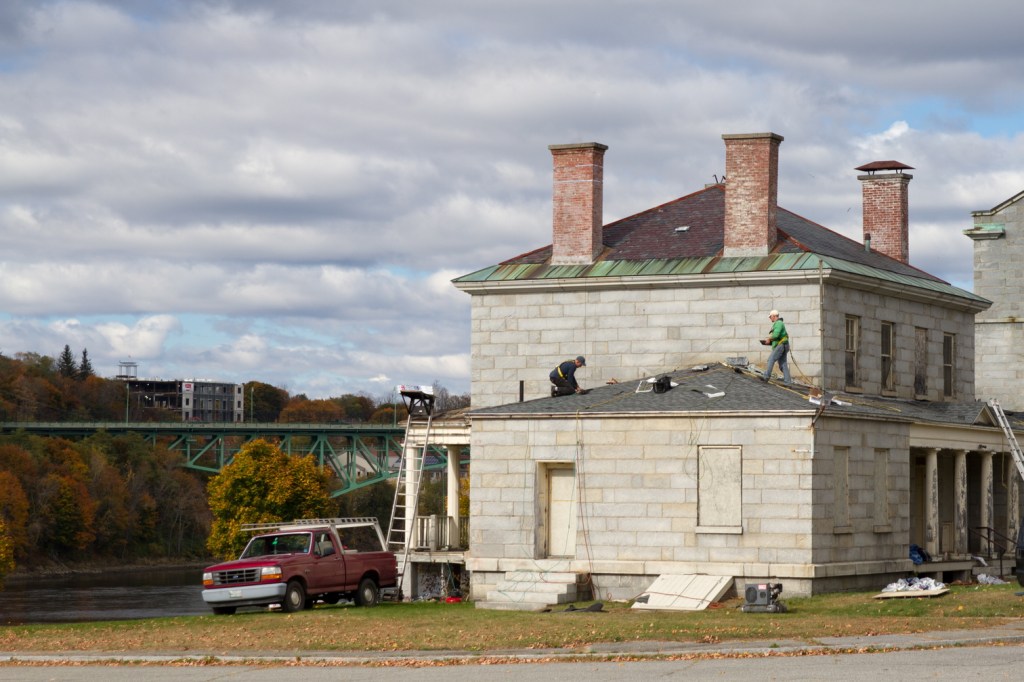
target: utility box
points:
(763, 598)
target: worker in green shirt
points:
(779, 341)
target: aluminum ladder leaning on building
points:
(419, 400)
(1004, 424)
(1018, 459)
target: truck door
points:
(327, 569)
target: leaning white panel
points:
(687, 592)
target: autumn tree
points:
(386, 414)
(66, 514)
(444, 401)
(6, 553)
(263, 485)
(304, 411)
(13, 512)
(375, 500)
(265, 401)
(357, 407)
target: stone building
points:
(999, 331)
(821, 485)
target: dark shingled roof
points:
(652, 235)
(649, 243)
(741, 390)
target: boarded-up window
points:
(948, 364)
(852, 351)
(920, 361)
(888, 357)
(881, 487)
(720, 486)
(841, 486)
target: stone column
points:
(1012, 499)
(986, 496)
(960, 503)
(931, 504)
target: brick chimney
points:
(886, 209)
(578, 202)
(751, 193)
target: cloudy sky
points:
(283, 191)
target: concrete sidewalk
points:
(1011, 633)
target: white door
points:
(561, 512)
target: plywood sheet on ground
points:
(902, 594)
(683, 592)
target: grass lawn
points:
(434, 626)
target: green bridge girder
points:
(359, 455)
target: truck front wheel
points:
(294, 597)
(368, 593)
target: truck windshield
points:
(288, 543)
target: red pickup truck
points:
(296, 563)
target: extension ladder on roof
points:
(420, 403)
(1004, 424)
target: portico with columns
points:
(965, 492)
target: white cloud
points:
(239, 190)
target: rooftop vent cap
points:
(870, 168)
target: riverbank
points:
(97, 566)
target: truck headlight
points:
(207, 579)
(270, 574)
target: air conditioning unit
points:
(763, 598)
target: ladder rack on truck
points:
(419, 401)
(302, 524)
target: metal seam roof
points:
(702, 266)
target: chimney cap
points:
(883, 166)
(578, 145)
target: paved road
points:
(960, 663)
(991, 654)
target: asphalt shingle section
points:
(721, 388)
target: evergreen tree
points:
(66, 365)
(85, 367)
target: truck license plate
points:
(235, 594)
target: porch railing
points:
(995, 544)
(438, 532)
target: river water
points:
(111, 595)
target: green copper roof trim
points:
(781, 262)
(885, 275)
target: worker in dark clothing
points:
(564, 376)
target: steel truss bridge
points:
(358, 454)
